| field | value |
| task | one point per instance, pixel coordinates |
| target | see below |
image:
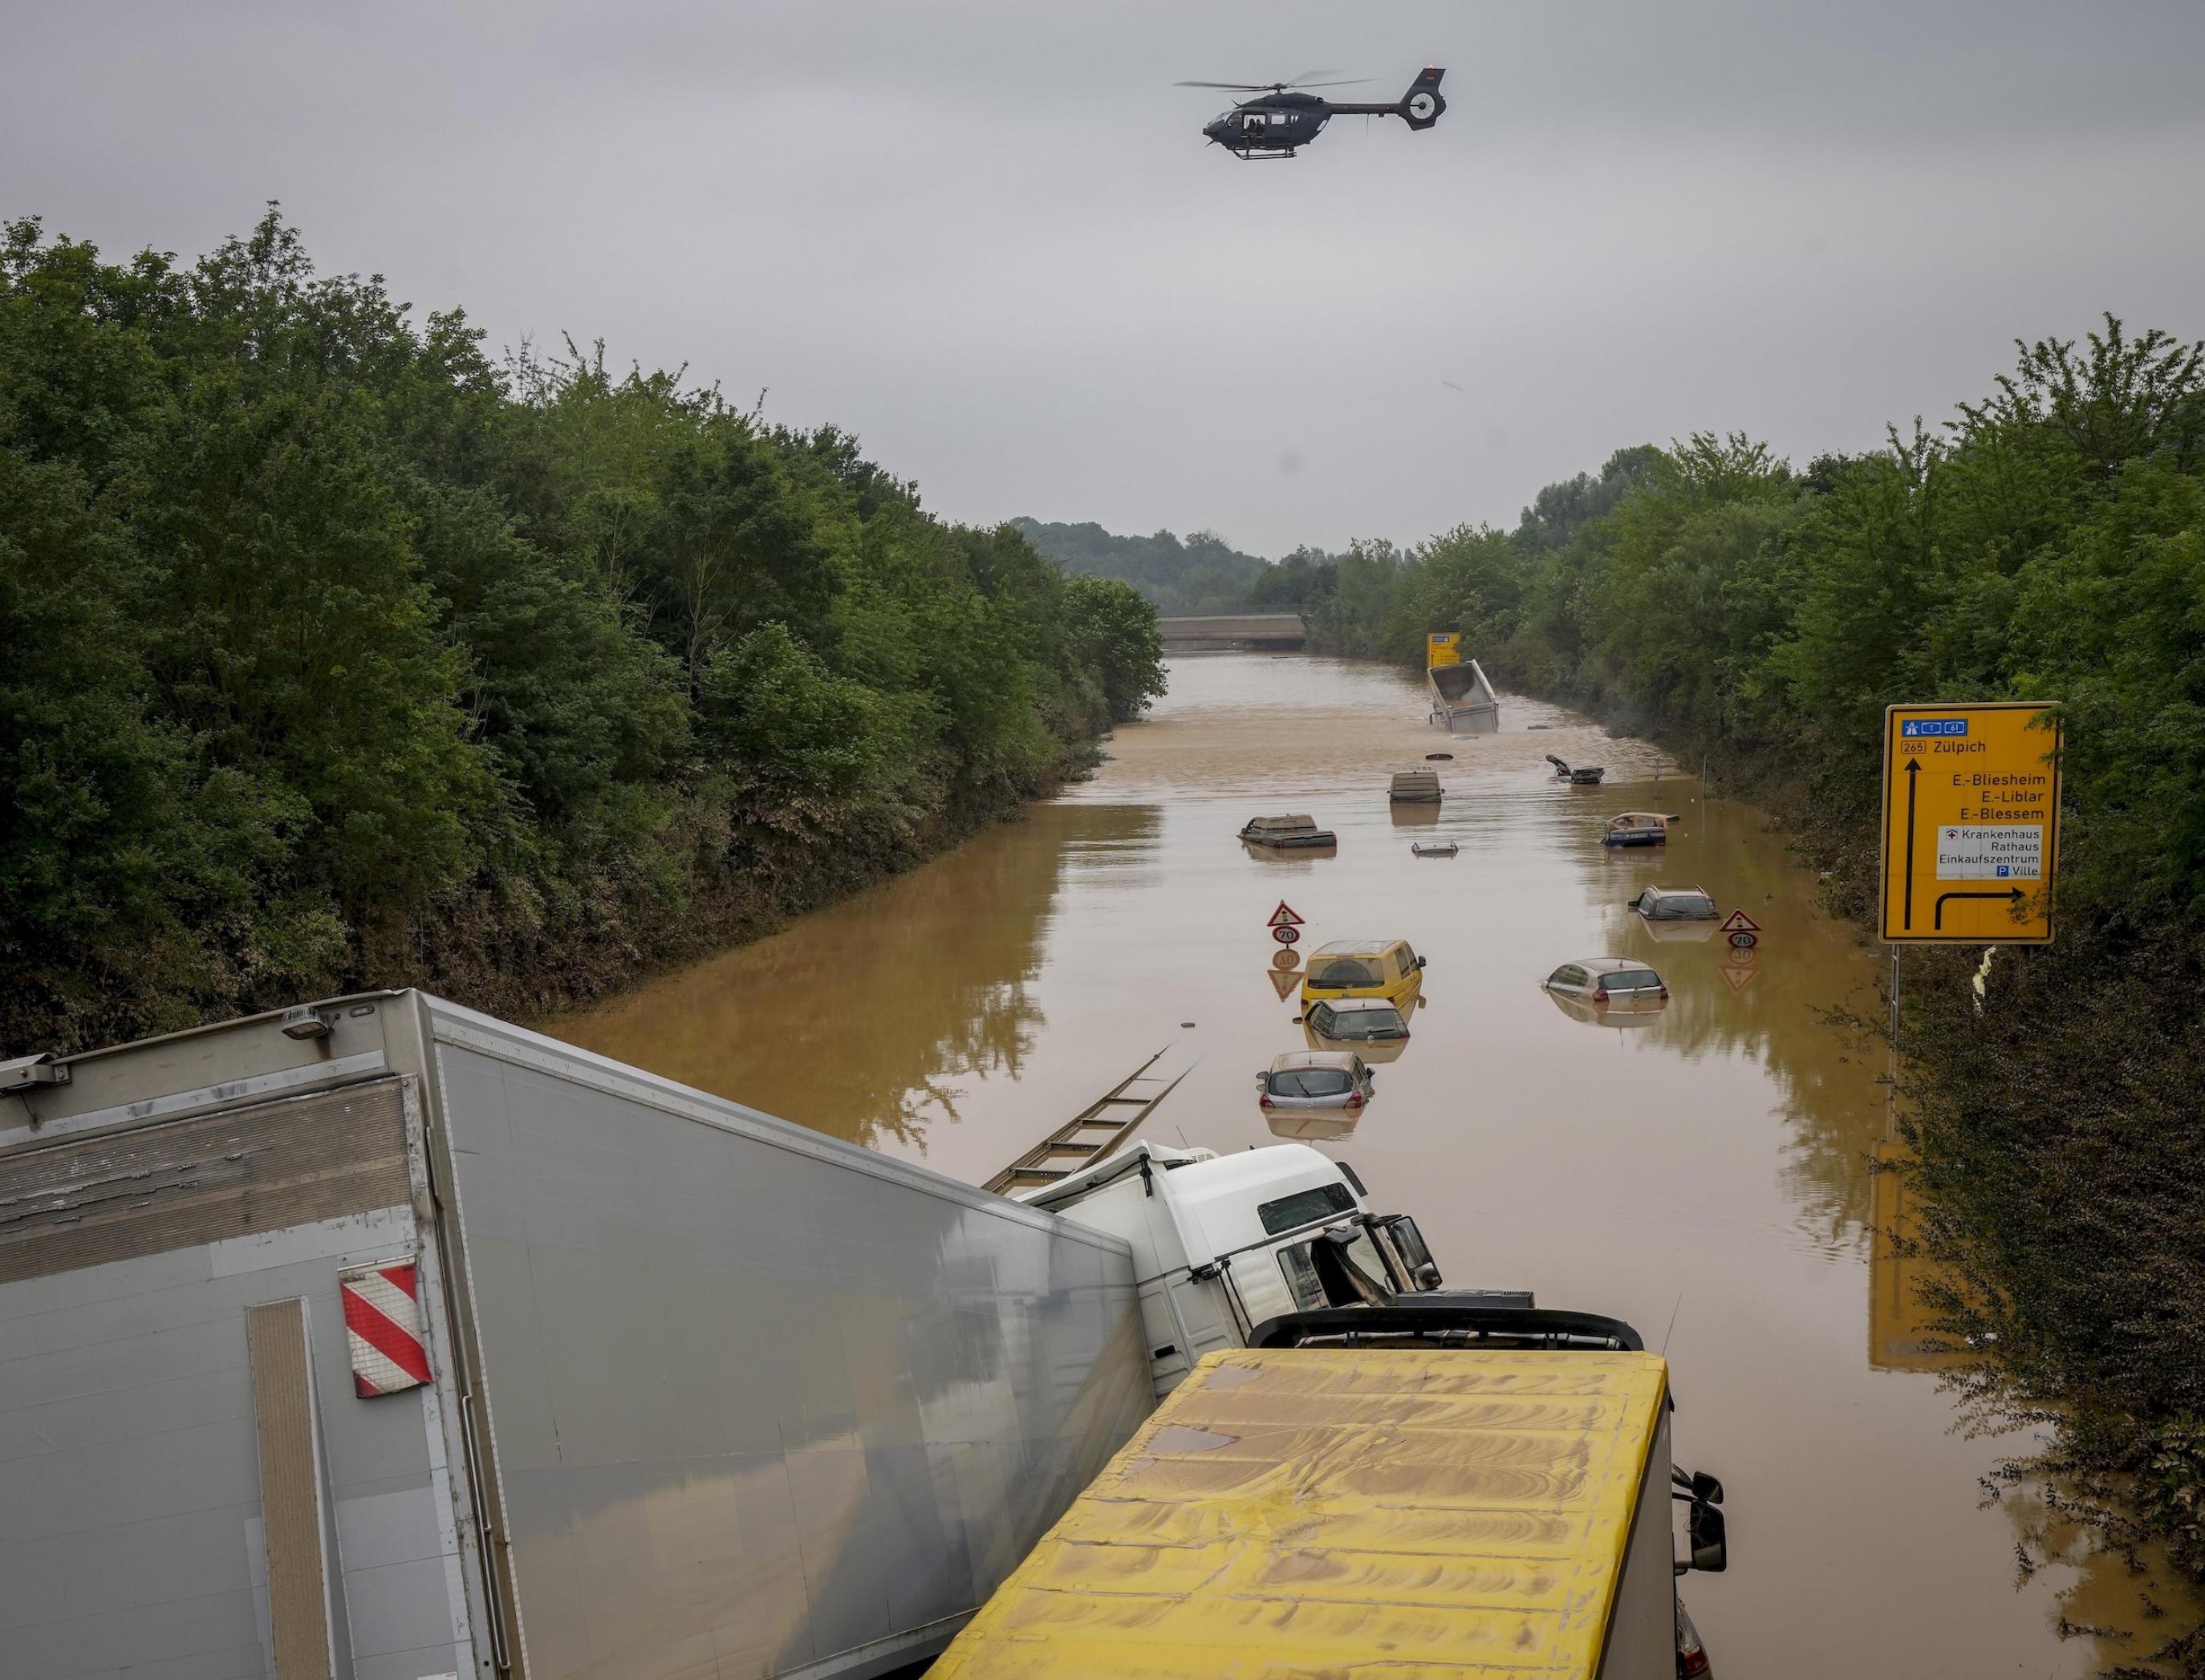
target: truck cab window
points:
(1351, 1268)
(1305, 1206)
(1302, 1281)
(1328, 1271)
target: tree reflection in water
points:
(865, 1024)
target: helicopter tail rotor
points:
(1422, 104)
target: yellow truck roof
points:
(1300, 1510)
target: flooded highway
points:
(1703, 1173)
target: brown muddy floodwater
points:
(1705, 1177)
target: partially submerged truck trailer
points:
(382, 1339)
(1463, 701)
(1418, 1488)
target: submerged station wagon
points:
(1365, 968)
(1675, 904)
(1602, 988)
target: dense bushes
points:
(2047, 543)
(332, 653)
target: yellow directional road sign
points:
(1970, 822)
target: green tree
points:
(1113, 632)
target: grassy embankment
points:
(334, 654)
(2048, 543)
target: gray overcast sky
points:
(989, 238)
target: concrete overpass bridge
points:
(1269, 631)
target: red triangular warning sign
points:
(1740, 978)
(1738, 922)
(1284, 917)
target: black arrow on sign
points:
(1913, 773)
(1937, 920)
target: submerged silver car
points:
(1315, 1080)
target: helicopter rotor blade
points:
(1302, 80)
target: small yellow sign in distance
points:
(1442, 647)
(1970, 822)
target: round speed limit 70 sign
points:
(1285, 935)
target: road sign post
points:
(1970, 822)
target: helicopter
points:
(1284, 118)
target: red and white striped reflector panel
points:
(382, 1321)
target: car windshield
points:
(1631, 980)
(1367, 1023)
(1682, 903)
(1344, 972)
(1311, 1082)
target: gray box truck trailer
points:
(381, 1340)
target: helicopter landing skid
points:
(1264, 155)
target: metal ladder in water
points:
(1089, 1135)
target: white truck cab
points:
(1223, 1243)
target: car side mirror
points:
(1416, 1254)
(1710, 1537)
(1421, 961)
(1705, 1530)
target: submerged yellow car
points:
(1365, 968)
